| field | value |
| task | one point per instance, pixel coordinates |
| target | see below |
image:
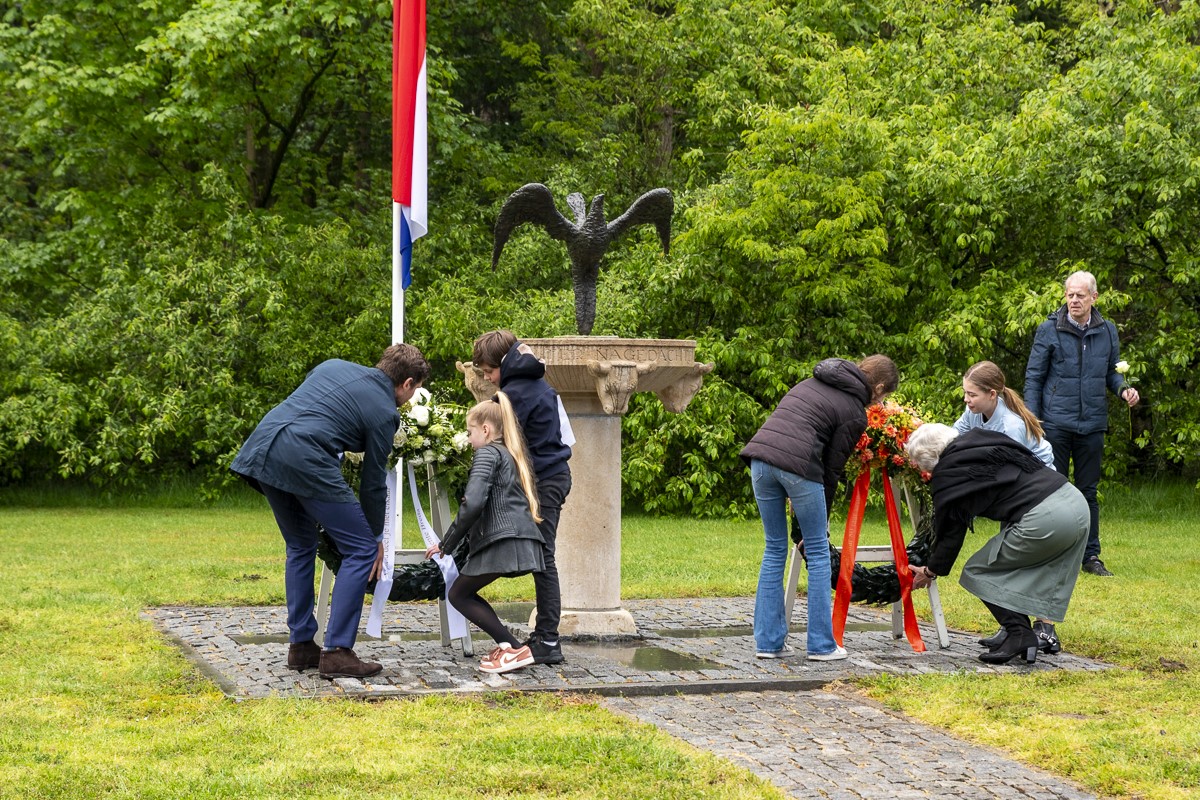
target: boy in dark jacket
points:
(513, 367)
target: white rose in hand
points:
(1122, 367)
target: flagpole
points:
(409, 159)
(397, 282)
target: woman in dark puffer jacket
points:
(799, 454)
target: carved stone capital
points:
(616, 381)
(675, 398)
(480, 387)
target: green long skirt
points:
(1031, 565)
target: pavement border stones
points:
(786, 720)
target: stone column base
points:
(616, 622)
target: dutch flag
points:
(409, 167)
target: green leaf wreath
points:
(410, 582)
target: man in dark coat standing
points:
(293, 457)
(1072, 363)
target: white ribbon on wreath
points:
(455, 620)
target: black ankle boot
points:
(1047, 638)
(995, 640)
(1020, 641)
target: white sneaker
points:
(784, 653)
(837, 655)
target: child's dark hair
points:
(880, 369)
(492, 347)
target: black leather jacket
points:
(494, 506)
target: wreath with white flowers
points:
(430, 434)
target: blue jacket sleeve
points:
(1038, 366)
(1114, 380)
(372, 486)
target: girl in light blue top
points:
(991, 405)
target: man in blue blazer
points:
(293, 458)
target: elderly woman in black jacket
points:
(799, 454)
(1030, 566)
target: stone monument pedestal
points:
(595, 376)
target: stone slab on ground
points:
(688, 646)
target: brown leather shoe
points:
(343, 663)
(304, 655)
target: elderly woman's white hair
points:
(926, 444)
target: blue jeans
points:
(772, 488)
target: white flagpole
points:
(398, 338)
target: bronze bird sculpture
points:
(587, 238)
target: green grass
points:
(94, 704)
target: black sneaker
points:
(545, 653)
(1094, 566)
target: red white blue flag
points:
(409, 166)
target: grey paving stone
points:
(772, 716)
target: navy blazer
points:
(340, 407)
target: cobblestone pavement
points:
(692, 673)
(836, 745)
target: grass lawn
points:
(94, 704)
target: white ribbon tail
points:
(454, 620)
(384, 587)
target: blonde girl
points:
(499, 516)
(993, 406)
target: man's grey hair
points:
(926, 444)
(1088, 279)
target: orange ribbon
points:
(854, 522)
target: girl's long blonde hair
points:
(989, 377)
(499, 415)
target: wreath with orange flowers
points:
(881, 446)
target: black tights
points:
(464, 595)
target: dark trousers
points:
(345, 523)
(552, 493)
(1085, 450)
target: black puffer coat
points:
(815, 427)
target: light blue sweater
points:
(1005, 420)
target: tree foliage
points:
(194, 207)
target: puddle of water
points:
(747, 630)
(404, 636)
(514, 612)
(647, 658)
